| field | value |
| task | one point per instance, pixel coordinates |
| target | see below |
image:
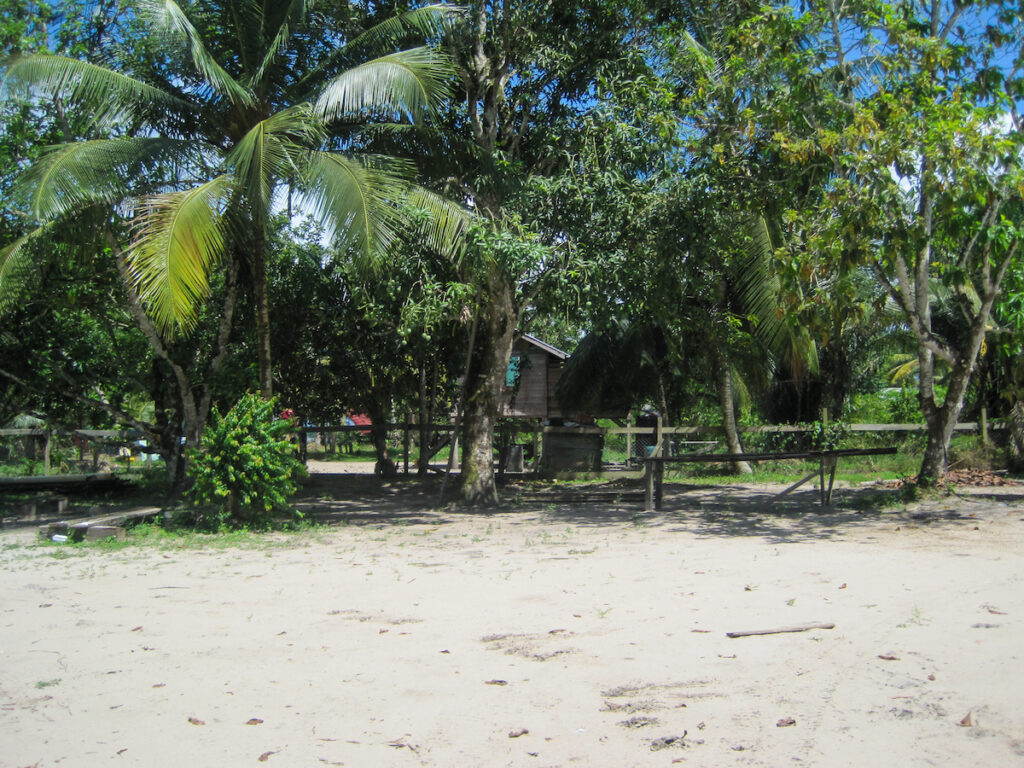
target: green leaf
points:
(68, 177)
(177, 239)
(105, 93)
(357, 197)
(408, 83)
(167, 18)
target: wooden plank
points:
(76, 530)
(797, 484)
(100, 532)
(61, 482)
(698, 458)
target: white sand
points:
(373, 644)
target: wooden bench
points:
(654, 468)
(104, 527)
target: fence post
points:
(648, 485)
(659, 466)
(536, 447)
(46, 451)
(984, 426)
(405, 444)
(629, 437)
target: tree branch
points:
(121, 416)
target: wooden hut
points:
(533, 372)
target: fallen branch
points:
(781, 630)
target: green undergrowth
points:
(360, 453)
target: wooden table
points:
(654, 468)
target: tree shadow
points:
(361, 499)
(701, 510)
(731, 511)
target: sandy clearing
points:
(374, 643)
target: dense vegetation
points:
(739, 211)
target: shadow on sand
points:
(699, 510)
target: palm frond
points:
(407, 83)
(758, 290)
(357, 197)
(293, 14)
(427, 22)
(271, 150)
(16, 267)
(903, 370)
(757, 287)
(167, 17)
(698, 52)
(103, 92)
(177, 240)
(69, 176)
(447, 223)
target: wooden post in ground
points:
(629, 437)
(405, 443)
(46, 451)
(659, 466)
(536, 447)
(821, 459)
(983, 425)
(648, 485)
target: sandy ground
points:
(553, 635)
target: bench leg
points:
(648, 486)
(797, 484)
(831, 480)
(659, 484)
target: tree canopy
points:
(754, 207)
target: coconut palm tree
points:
(229, 104)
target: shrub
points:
(906, 409)
(245, 467)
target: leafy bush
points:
(905, 407)
(869, 408)
(827, 436)
(245, 467)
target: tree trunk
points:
(262, 308)
(723, 379)
(837, 372)
(484, 384)
(942, 420)
(422, 462)
(385, 466)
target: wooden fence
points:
(507, 430)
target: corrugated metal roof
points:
(545, 346)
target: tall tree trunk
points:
(485, 381)
(942, 420)
(262, 309)
(723, 380)
(422, 462)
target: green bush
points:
(245, 467)
(869, 408)
(906, 409)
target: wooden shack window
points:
(512, 374)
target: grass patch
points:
(172, 538)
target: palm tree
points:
(231, 103)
